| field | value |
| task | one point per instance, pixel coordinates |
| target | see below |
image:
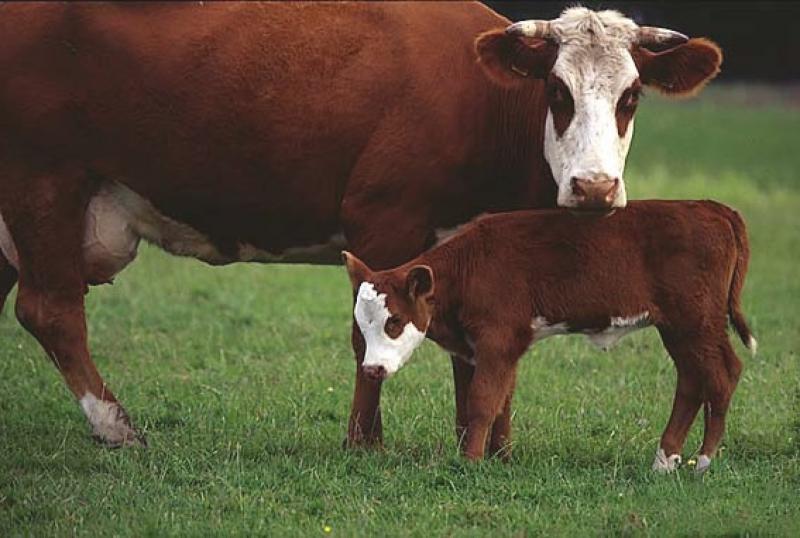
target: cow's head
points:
(393, 309)
(594, 65)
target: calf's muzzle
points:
(374, 373)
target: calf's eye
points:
(393, 326)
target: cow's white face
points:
(592, 92)
(593, 65)
(390, 340)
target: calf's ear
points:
(356, 269)
(419, 282)
(682, 70)
(508, 59)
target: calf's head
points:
(392, 310)
(594, 65)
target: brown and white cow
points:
(511, 279)
(284, 132)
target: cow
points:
(285, 132)
(509, 280)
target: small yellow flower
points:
(330, 389)
(327, 529)
(692, 462)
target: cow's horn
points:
(531, 28)
(651, 35)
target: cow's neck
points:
(513, 166)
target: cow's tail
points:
(737, 281)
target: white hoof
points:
(664, 463)
(110, 423)
(703, 463)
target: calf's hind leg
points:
(721, 377)
(462, 378)
(48, 233)
(687, 355)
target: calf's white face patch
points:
(371, 314)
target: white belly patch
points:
(618, 327)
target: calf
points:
(508, 280)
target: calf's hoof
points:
(666, 464)
(703, 463)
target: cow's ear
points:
(509, 60)
(682, 70)
(356, 269)
(419, 282)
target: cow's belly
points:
(117, 219)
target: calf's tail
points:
(737, 281)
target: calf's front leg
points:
(462, 379)
(489, 391)
(500, 440)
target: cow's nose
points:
(597, 192)
(375, 373)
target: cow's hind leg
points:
(8, 277)
(47, 228)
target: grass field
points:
(242, 377)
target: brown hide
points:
(276, 125)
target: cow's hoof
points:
(703, 463)
(133, 438)
(666, 464)
(111, 426)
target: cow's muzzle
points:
(598, 192)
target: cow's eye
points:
(559, 94)
(630, 98)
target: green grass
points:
(242, 378)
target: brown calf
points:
(508, 280)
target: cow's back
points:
(242, 120)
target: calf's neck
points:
(508, 280)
